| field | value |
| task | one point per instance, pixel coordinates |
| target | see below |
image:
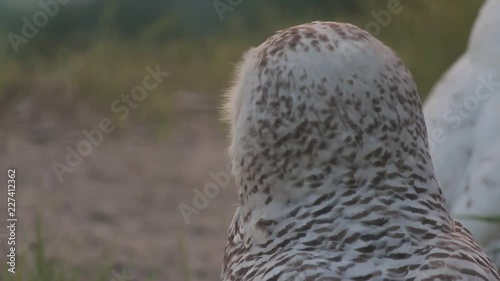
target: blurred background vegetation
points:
(102, 47)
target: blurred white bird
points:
(463, 122)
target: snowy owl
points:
(330, 156)
(463, 123)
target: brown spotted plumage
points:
(329, 152)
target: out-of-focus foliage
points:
(104, 46)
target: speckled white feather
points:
(334, 178)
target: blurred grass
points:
(489, 219)
(429, 35)
(38, 266)
(181, 240)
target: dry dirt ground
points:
(121, 202)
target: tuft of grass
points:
(183, 253)
(40, 267)
(106, 20)
(490, 219)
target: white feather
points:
(463, 123)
